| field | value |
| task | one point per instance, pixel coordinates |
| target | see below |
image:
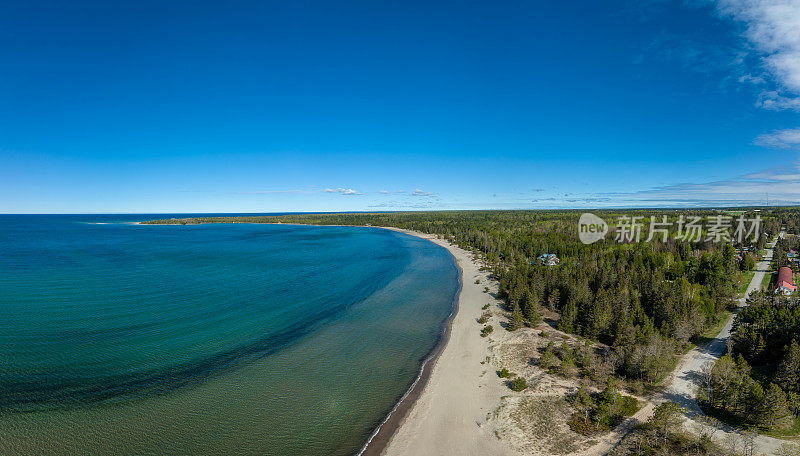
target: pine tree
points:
(583, 402)
(531, 310)
(516, 321)
(755, 401)
(723, 381)
(788, 374)
(548, 359)
(793, 401)
(775, 412)
(568, 316)
(666, 418)
(759, 347)
(742, 366)
(554, 299)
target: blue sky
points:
(331, 106)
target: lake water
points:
(118, 338)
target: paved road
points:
(684, 386)
(685, 379)
(683, 383)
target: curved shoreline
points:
(380, 437)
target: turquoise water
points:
(119, 338)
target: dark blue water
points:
(286, 339)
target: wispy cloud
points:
(774, 186)
(342, 191)
(402, 205)
(272, 192)
(418, 192)
(774, 101)
(784, 139)
(696, 55)
(771, 27)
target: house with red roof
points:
(785, 283)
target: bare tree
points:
(749, 443)
(705, 383)
(706, 428)
(787, 449)
(732, 443)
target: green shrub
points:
(503, 373)
(518, 384)
(627, 406)
(548, 360)
(486, 330)
(567, 368)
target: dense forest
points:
(645, 300)
(758, 382)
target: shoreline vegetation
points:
(553, 358)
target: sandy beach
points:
(449, 416)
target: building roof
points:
(785, 278)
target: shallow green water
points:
(212, 339)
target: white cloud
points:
(775, 186)
(785, 139)
(342, 191)
(772, 29)
(385, 192)
(418, 192)
(273, 192)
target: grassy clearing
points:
(766, 281)
(712, 331)
(543, 420)
(793, 431)
(747, 277)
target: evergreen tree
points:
(666, 418)
(747, 263)
(515, 321)
(568, 317)
(755, 402)
(774, 412)
(531, 311)
(788, 373)
(548, 359)
(583, 403)
(793, 402)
